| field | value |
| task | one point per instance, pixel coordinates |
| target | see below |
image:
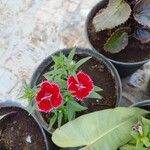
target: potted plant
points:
(119, 128)
(20, 130)
(82, 81)
(120, 30)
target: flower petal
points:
(45, 106)
(85, 80)
(57, 102)
(71, 82)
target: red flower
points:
(48, 97)
(81, 86)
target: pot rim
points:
(10, 103)
(142, 103)
(85, 51)
(113, 61)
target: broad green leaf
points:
(117, 42)
(132, 147)
(142, 12)
(146, 121)
(81, 62)
(60, 117)
(97, 89)
(52, 121)
(116, 13)
(6, 115)
(72, 54)
(101, 130)
(95, 95)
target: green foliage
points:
(117, 41)
(106, 129)
(116, 13)
(29, 93)
(63, 67)
(140, 136)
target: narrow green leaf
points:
(95, 95)
(76, 106)
(60, 117)
(116, 13)
(97, 89)
(117, 42)
(52, 121)
(82, 61)
(70, 112)
(72, 54)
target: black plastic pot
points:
(143, 104)
(47, 63)
(124, 68)
(10, 103)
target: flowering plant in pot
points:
(17, 125)
(62, 89)
(120, 30)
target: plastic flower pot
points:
(125, 68)
(7, 106)
(47, 63)
(143, 104)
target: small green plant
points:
(118, 12)
(64, 90)
(140, 136)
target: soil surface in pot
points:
(134, 52)
(102, 77)
(20, 131)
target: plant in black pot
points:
(120, 30)
(19, 130)
(71, 83)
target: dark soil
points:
(103, 78)
(16, 128)
(134, 52)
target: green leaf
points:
(146, 121)
(146, 141)
(116, 13)
(132, 147)
(52, 121)
(95, 95)
(76, 106)
(97, 89)
(60, 116)
(102, 130)
(82, 61)
(142, 12)
(70, 112)
(135, 135)
(72, 54)
(117, 42)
